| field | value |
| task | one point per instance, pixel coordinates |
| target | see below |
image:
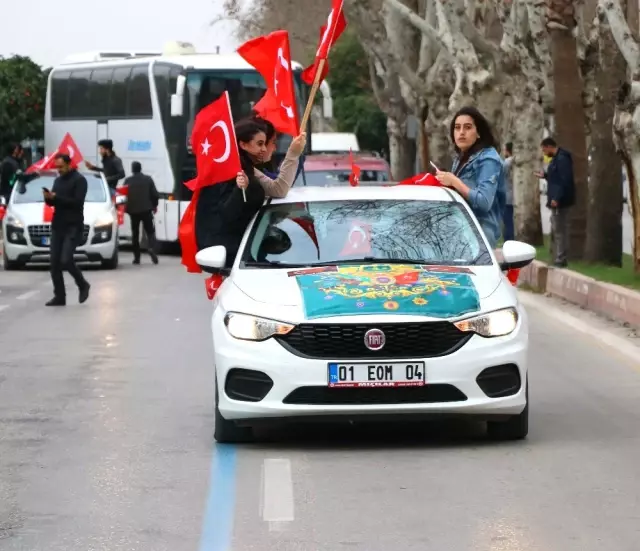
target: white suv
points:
(27, 233)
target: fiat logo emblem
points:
(374, 339)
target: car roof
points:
(327, 161)
(304, 194)
(54, 174)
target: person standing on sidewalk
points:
(9, 168)
(507, 220)
(560, 195)
(67, 197)
(111, 165)
(142, 201)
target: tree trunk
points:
(604, 222)
(626, 133)
(527, 134)
(402, 150)
(570, 130)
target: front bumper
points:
(28, 252)
(299, 387)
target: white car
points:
(27, 229)
(359, 303)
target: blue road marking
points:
(217, 525)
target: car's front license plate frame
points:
(376, 374)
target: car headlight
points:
(104, 220)
(14, 221)
(493, 324)
(252, 328)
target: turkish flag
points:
(426, 179)
(408, 278)
(3, 211)
(512, 276)
(358, 240)
(271, 57)
(212, 284)
(214, 143)
(308, 225)
(354, 177)
(67, 147)
(47, 213)
(187, 233)
(329, 34)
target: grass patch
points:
(623, 276)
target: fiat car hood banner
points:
(432, 291)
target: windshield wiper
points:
(272, 264)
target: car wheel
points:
(228, 432)
(515, 428)
(111, 263)
(10, 264)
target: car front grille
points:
(428, 394)
(37, 232)
(402, 340)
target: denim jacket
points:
(484, 175)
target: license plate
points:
(46, 241)
(377, 374)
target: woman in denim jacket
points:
(477, 173)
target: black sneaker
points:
(84, 293)
(56, 301)
(154, 257)
(136, 261)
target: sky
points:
(54, 32)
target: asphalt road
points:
(106, 443)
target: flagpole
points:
(312, 94)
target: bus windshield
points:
(245, 90)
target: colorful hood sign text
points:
(387, 289)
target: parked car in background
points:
(27, 228)
(333, 169)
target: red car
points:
(334, 169)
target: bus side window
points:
(79, 103)
(139, 104)
(118, 99)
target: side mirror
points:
(516, 255)
(121, 199)
(212, 259)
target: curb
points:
(612, 301)
(619, 344)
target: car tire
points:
(111, 263)
(228, 432)
(9, 265)
(515, 428)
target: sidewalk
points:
(612, 301)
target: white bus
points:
(146, 103)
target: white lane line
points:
(27, 295)
(3, 307)
(277, 493)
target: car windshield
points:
(330, 232)
(33, 190)
(324, 178)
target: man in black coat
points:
(142, 201)
(561, 195)
(67, 197)
(111, 164)
(9, 169)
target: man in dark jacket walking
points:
(111, 164)
(142, 201)
(67, 197)
(9, 168)
(560, 195)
